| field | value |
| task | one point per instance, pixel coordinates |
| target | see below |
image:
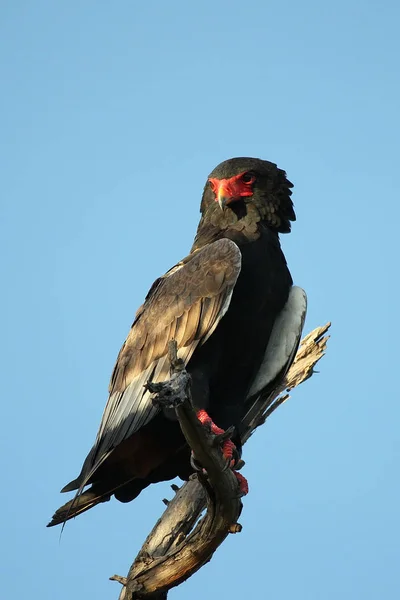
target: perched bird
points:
(237, 320)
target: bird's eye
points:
(248, 178)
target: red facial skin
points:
(234, 188)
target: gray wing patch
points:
(284, 341)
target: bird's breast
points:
(228, 362)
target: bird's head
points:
(239, 182)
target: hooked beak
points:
(222, 197)
(223, 192)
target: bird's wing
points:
(281, 349)
(185, 305)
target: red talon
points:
(242, 481)
(227, 447)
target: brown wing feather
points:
(187, 305)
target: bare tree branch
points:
(172, 552)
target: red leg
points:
(242, 481)
(228, 448)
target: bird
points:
(236, 317)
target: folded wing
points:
(185, 305)
(281, 349)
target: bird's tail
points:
(79, 504)
(97, 493)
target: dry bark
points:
(173, 551)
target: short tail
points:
(97, 493)
(79, 504)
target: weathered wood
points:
(171, 553)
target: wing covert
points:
(186, 304)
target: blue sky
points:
(112, 115)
